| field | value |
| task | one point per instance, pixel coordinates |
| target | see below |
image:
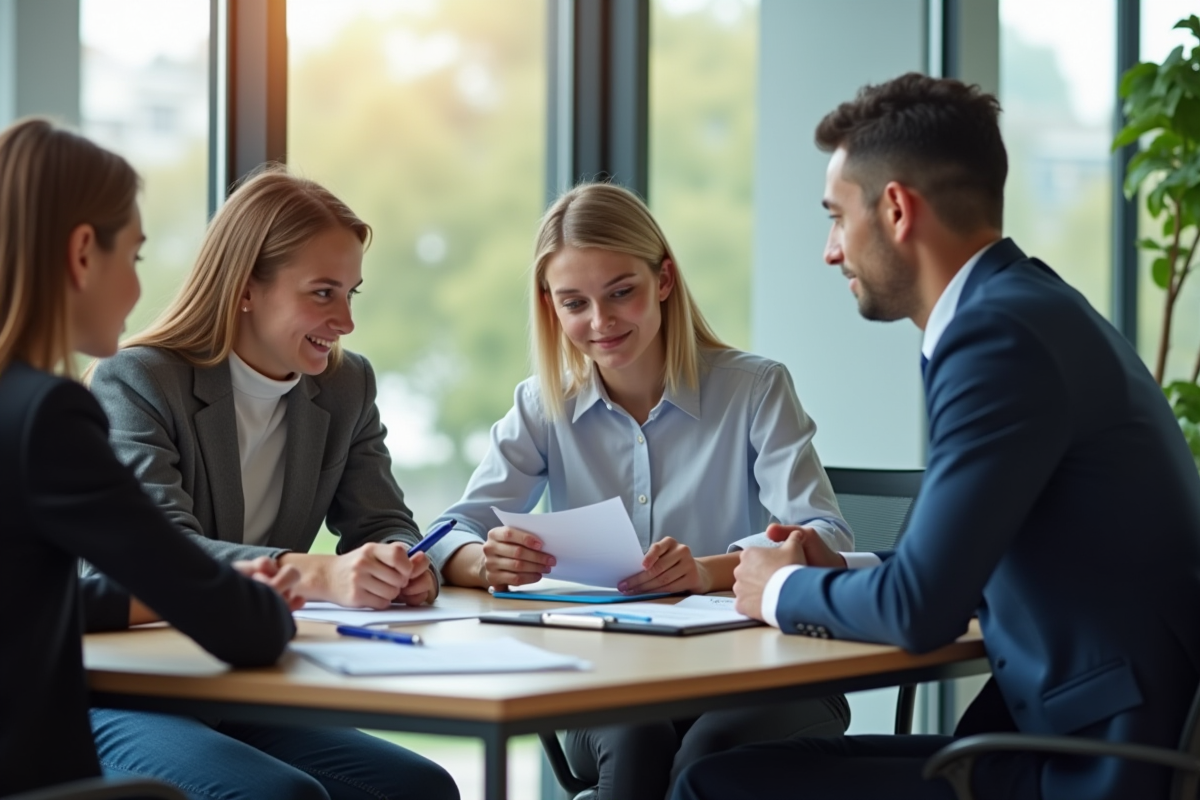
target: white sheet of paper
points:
(596, 544)
(682, 615)
(396, 614)
(435, 658)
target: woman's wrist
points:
(314, 582)
(466, 567)
(719, 570)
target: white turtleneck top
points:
(260, 405)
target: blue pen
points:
(618, 617)
(432, 538)
(382, 636)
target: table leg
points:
(495, 766)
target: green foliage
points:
(1185, 401)
(1162, 111)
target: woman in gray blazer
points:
(250, 427)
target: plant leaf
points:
(1138, 73)
(1160, 271)
(1150, 244)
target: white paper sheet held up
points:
(340, 615)
(436, 658)
(596, 544)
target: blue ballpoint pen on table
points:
(619, 617)
(378, 635)
(432, 538)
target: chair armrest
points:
(105, 789)
(955, 761)
(558, 762)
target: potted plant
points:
(1162, 109)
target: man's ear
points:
(666, 279)
(80, 245)
(897, 211)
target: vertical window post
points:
(599, 55)
(248, 90)
(1125, 212)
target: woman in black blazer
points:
(69, 236)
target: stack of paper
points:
(362, 617)
(435, 658)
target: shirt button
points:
(1001, 663)
(642, 499)
(641, 439)
(608, 406)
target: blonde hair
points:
(611, 218)
(259, 229)
(51, 182)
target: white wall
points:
(859, 380)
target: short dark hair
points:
(937, 135)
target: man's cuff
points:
(770, 598)
(861, 560)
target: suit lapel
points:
(216, 436)
(307, 428)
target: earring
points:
(245, 309)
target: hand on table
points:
(372, 576)
(284, 580)
(668, 567)
(513, 557)
(800, 545)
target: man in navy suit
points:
(1060, 503)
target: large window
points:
(703, 80)
(1158, 40)
(1057, 95)
(144, 94)
(428, 119)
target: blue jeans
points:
(241, 761)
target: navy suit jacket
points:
(1061, 503)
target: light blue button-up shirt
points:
(711, 466)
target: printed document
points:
(434, 658)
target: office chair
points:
(104, 789)
(955, 761)
(877, 504)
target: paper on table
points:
(436, 658)
(682, 615)
(595, 544)
(340, 615)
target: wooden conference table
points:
(635, 678)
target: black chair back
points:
(877, 503)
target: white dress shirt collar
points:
(943, 310)
(685, 398)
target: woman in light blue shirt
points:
(635, 397)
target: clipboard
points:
(599, 621)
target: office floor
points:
(463, 758)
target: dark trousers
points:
(243, 761)
(641, 762)
(861, 767)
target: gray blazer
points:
(174, 425)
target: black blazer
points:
(65, 496)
